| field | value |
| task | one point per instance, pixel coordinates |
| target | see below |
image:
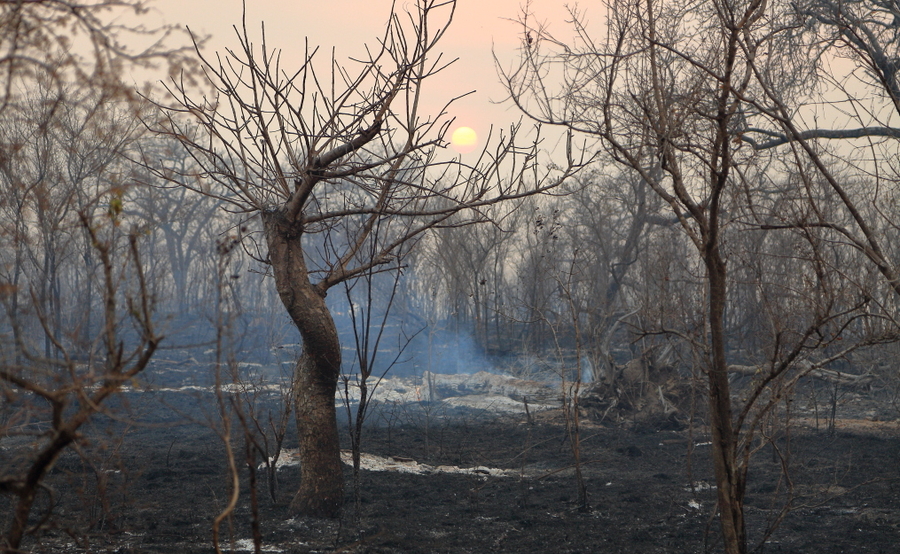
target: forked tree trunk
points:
(316, 373)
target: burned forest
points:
(283, 302)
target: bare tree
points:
(370, 301)
(465, 270)
(669, 120)
(51, 397)
(79, 42)
(65, 257)
(323, 160)
(67, 252)
(668, 91)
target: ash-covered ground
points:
(456, 464)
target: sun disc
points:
(464, 140)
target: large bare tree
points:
(325, 160)
(669, 119)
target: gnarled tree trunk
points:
(316, 373)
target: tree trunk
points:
(316, 374)
(321, 491)
(730, 480)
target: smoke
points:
(409, 343)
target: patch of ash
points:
(493, 403)
(371, 462)
(246, 545)
(484, 391)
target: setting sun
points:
(464, 140)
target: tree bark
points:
(321, 492)
(316, 374)
(730, 480)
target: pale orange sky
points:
(478, 26)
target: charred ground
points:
(155, 482)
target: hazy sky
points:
(478, 27)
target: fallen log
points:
(830, 375)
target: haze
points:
(479, 29)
